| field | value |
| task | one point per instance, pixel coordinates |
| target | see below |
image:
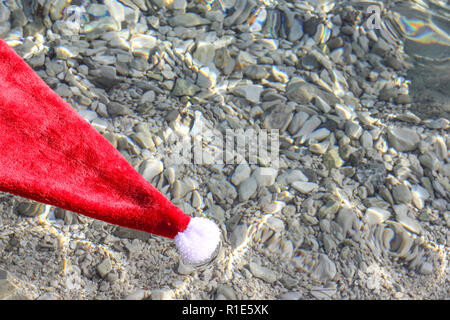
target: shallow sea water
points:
(423, 29)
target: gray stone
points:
(426, 268)
(325, 270)
(104, 267)
(241, 173)
(247, 188)
(185, 88)
(148, 97)
(331, 159)
(401, 194)
(30, 208)
(162, 294)
(136, 295)
(291, 296)
(345, 219)
(117, 109)
(184, 269)
(188, 20)
(403, 139)
(353, 130)
(256, 72)
(238, 236)
(263, 273)
(308, 127)
(151, 168)
(7, 288)
(226, 291)
(265, 177)
(300, 92)
(128, 233)
(305, 187)
(251, 92)
(205, 53)
(297, 122)
(105, 76)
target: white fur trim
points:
(199, 241)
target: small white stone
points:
(376, 215)
(305, 187)
(241, 173)
(151, 168)
(265, 176)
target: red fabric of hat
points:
(50, 154)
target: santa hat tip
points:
(198, 242)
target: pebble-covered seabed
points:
(358, 208)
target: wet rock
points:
(325, 269)
(185, 88)
(263, 273)
(162, 294)
(136, 295)
(7, 288)
(238, 236)
(241, 173)
(291, 296)
(305, 187)
(104, 268)
(403, 139)
(105, 76)
(151, 168)
(117, 109)
(301, 92)
(426, 268)
(331, 159)
(251, 92)
(188, 20)
(30, 208)
(401, 193)
(265, 176)
(247, 188)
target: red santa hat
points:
(50, 154)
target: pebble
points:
(331, 159)
(376, 215)
(401, 194)
(7, 288)
(136, 295)
(238, 236)
(30, 208)
(346, 218)
(300, 92)
(291, 296)
(137, 65)
(325, 269)
(104, 267)
(265, 177)
(185, 269)
(308, 127)
(263, 273)
(251, 92)
(117, 109)
(226, 291)
(241, 173)
(426, 268)
(162, 294)
(247, 188)
(188, 20)
(403, 139)
(185, 88)
(151, 168)
(305, 187)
